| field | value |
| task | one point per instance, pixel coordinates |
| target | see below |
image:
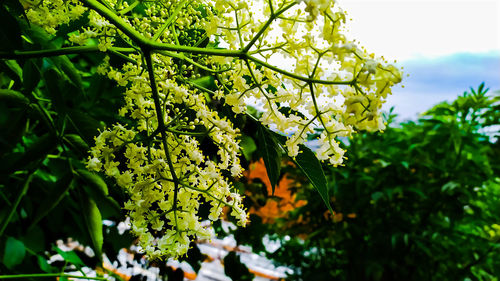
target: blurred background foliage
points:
(419, 202)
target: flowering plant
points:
(186, 60)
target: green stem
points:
(16, 203)
(169, 21)
(262, 50)
(238, 29)
(311, 87)
(187, 133)
(149, 44)
(129, 8)
(266, 25)
(186, 59)
(60, 52)
(44, 275)
(299, 77)
(161, 126)
(155, 46)
(271, 6)
(317, 64)
(207, 193)
(201, 88)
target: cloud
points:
(444, 78)
(403, 29)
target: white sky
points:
(405, 29)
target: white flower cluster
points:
(292, 59)
(332, 85)
(165, 228)
(50, 14)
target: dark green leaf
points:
(11, 96)
(76, 143)
(10, 32)
(270, 152)
(248, 147)
(95, 181)
(55, 195)
(67, 67)
(36, 152)
(14, 252)
(85, 125)
(44, 265)
(52, 80)
(15, 8)
(31, 76)
(97, 189)
(235, 269)
(377, 196)
(34, 239)
(311, 167)
(13, 69)
(93, 220)
(70, 256)
(207, 82)
(115, 241)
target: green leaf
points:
(38, 151)
(235, 269)
(248, 147)
(95, 181)
(270, 152)
(117, 241)
(207, 82)
(13, 97)
(70, 256)
(93, 220)
(377, 196)
(76, 143)
(10, 32)
(55, 195)
(13, 70)
(52, 80)
(97, 189)
(194, 257)
(85, 125)
(311, 167)
(14, 252)
(67, 67)
(450, 186)
(39, 37)
(44, 265)
(31, 76)
(34, 239)
(16, 8)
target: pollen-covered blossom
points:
(331, 84)
(280, 55)
(165, 228)
(50, 14)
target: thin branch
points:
(59, 52)
(266, 25)
(16, 203)
(146, 43)
(299, 77)
(45, 275)
(161, 126)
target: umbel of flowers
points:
(272, 53)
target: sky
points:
(446, 46)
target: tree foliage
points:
(418, 202)
(143, 109)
